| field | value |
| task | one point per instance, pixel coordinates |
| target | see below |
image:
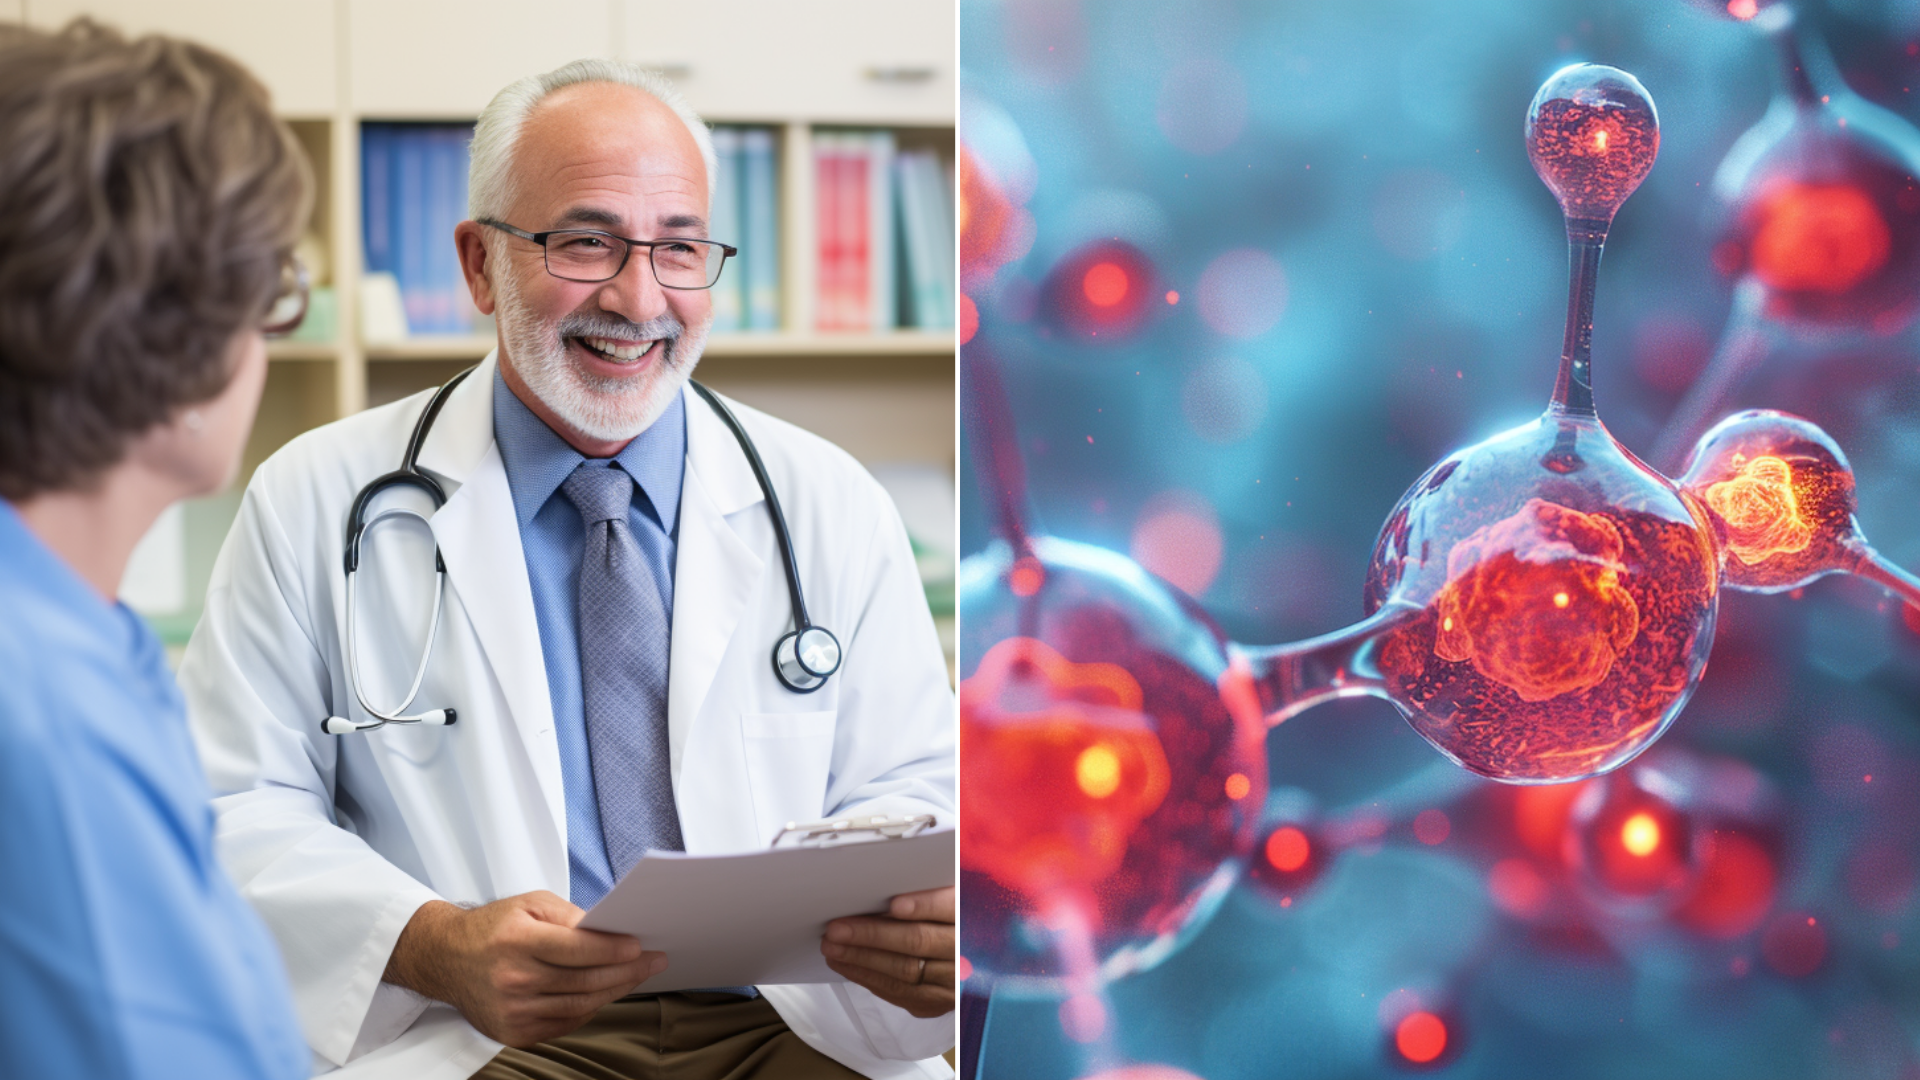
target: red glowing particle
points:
(1517, 887)
(1431, 827)
(1535, 601)
(1794, 945)
(1824, 238)
(1067, 761)
(1743, 9)
(1238, 786)
(964, 967)
(1104, 284)
(969, 319)
(1735, 887)
(1540, 815)
(985, 213)
(1026, 577)
(1592, 135)
(1632, 844)
(1420, 1037)
(1288, 849)
(1172, 297)
(1102, 289)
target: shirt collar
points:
(538, 460)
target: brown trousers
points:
(684, 1036)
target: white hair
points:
(490, 176)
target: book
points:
(882, 287)
(414, 191)
(724, 225)
(760, 230)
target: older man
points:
(613, 591)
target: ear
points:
(472, 248)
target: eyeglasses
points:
(289, 304)
(591, 255)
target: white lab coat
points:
(337, 840)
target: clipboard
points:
(756, 918)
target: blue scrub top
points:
(125, 950)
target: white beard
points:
(601, 408)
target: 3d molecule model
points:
(1820, 203)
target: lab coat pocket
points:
(788, 758)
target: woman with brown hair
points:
(149, 205)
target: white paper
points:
(757, 917)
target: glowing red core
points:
(1640, 835)
(1824, 238)
(1420, 1037)
(1761, 511)
(1535, 601)
(1104, 284)
(1065, 760)
(1288, 849)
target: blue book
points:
(410, 201)
(729, 298)
(760, 232)
(376, 197)
(453, 310)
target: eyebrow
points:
(612, 222)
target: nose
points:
(634, 293)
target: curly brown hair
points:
(148, 202)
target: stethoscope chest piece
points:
(804, 658)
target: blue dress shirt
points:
(538, 461)
(125, 950)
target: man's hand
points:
(904, 956)
(518, 969)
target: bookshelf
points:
(333, 65)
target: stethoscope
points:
(803, 658)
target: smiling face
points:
(598, 361)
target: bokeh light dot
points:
(1243, 293)
(1288, 849)
(1431, 827)
(1178, 537)
(1238, 786)
(1105, 284)
(1517, 888)
(1420, 1037)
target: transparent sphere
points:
(1782, 492)
(1115, 767)
(1568, 596)
(1821, 206)
(1632, 842)
(1592, 135)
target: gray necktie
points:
(623, 673)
